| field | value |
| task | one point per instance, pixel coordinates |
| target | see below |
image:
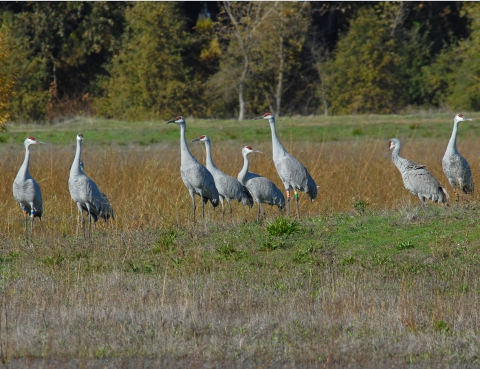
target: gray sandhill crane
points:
(195, 176)
(416, 178)
(262, 189)
(27, 191)
(228, 187)
(454, 165)
(86, 194)
(292, 173)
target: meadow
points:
(365, 277)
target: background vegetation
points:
(364, 278)
(134, 61)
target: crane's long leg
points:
(80, 216)
(258, 212)
(192, 195)
(32, 218)
(230, 207)
(223, 207)
(287, 190)
(203, 209)
(296, 201)
(26, 223)
(89, 220)
(264, 213)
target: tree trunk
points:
(278, 93)
(241, 90)
(241, 102)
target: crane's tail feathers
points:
(248, 199)
(214, 202)
(445, 193)
(312, 189)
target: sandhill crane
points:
(454, 165)
(86, 194)
(228, 187)
(262, 189)
(26, 190)
(195, 176)
(416, 178)
(292, 173)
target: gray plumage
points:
(228, 187)
(454, 165)
(195, 176)
(416, 178)
(262, 189)
(26, 190)
(292, 173)
(85, 192)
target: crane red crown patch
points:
(202, 137)
(249, 147)
(178, 118)
(266, 114)
(460, 115)
(31, 138)
(80, 135)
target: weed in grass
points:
(228, 252)
(283, 226)
(360, 205)
(405, 245)
(55, 260)
(442, 326)
(357, 131)
(166, 241)
(304, 255)
(348, 260)
(271, 244)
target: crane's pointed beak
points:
(40, 142)
(260, 117)
(195, 140)
(468, 118)
(386, 154)
(170, 121)
(261, 152)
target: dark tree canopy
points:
(133, 60)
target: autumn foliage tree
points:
(7, 78)
(147, 78)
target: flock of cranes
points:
(213, 185)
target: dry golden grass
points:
(146, 190)
(129, 294)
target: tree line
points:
(150, 60)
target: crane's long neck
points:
(452, 144)
(185, 156)
(242, 176)
(209, 161)
(75, 169)
(277, 147)
(23, 171)
(396, 158)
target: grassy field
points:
(365, 278)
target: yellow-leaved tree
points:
(7, 78)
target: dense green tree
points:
(59, 49)
(144, 60)
(147, 76)
(363, 72)
(454, 78)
